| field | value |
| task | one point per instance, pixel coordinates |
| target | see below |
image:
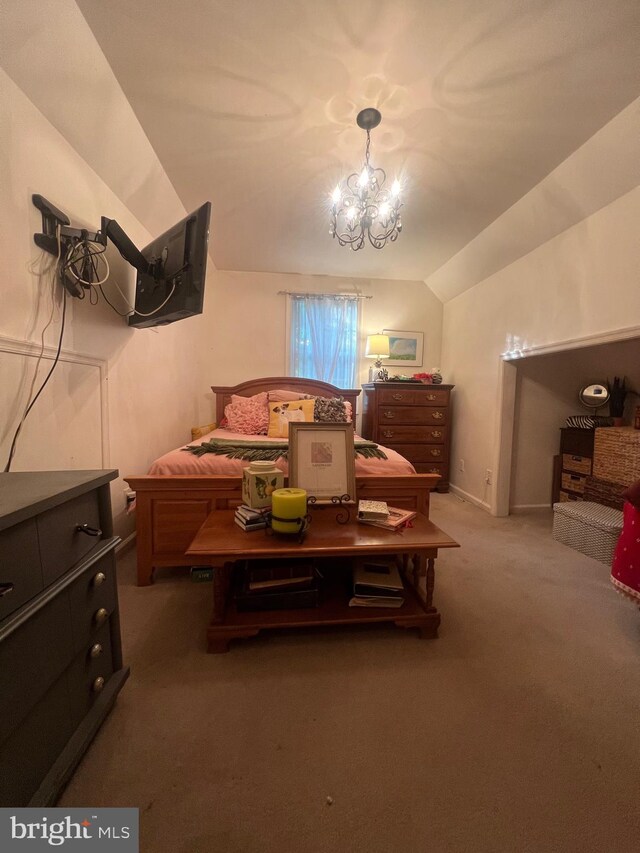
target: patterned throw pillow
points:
(249, 415)
(282, 413)
(330, 409)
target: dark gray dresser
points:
(60, 650)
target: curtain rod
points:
(324, 295)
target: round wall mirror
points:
(593, 396)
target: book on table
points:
(373, 510)
(377, 583)
(396, 520)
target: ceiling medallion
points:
(362, 209)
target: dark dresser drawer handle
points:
(437, 416)
(435, 452)
(95, 651)
(101, 616)
(432, 396)
(5, 588)
(387, 433)
(389, 415)
(398, 396)
(99, 578)
(90, 531)
(98, 684)
(435, 433)
(433, 471)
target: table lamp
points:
(378, 348)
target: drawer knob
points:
(98, 684)
(387, 433)
(96, 650)
(437, 416)
(99, 578)
(398, 396)
(101, 615)
(435, 452)
(432, 396)
(389, 414)
(433, 471)
(90, 531)
(435, 433)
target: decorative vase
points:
(259, 480)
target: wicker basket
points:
(616, 455)
(603, 492)
(588, 527)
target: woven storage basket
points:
(616, 455)
(603, 492)
(588, 527)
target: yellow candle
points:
(288, 503)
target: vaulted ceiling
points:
(252, 104)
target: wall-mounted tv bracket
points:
(109, 229)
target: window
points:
(324, 338)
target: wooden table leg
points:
(219, 594)
(431, 579)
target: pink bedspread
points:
(181, 462)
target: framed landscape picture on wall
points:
(405, 348)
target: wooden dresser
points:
(413, 419)
(60, 651)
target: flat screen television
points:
(174, 286)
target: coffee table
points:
(220, 543)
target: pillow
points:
(632, 494)
(287, 396)
(282, 412)
(332, 409)
(248, 415)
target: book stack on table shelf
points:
(377, 583)
(277, 585)
(251, 519)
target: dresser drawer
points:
(431, 468)
(565, 497)
(410, 434)
(92, 598)
(20, 570)
(421, 452)
(576, 463)
(89, 672)
(413, 397)
(31, 658)
(31, 750)
(411, 415)
(573, 482)
(61, 544)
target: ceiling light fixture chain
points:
(362, 208)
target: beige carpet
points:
(517, 730)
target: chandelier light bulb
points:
(363, 209)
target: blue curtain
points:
(324, 338)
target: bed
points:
(181, 489)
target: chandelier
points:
(362, 209)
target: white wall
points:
(125, 420)
(582, 282)
(247, 318)
(548, 386)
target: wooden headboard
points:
(288, 383)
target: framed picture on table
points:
(322, 460)
(405, 348)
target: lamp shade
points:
(377, 346)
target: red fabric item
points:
(625, 569)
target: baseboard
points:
(126, 544)
(470, 498)
(526, 507)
